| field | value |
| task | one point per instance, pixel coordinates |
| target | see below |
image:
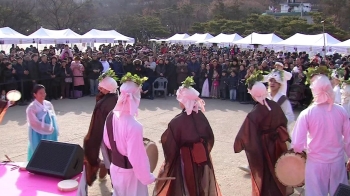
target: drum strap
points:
(281, 100)
(117, 158)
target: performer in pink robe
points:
(323, 130)
(123, 134)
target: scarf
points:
(46, 110)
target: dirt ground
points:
(74, 117)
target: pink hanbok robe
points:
(325, 135)
(128, 134)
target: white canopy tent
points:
(302, 42)
(265, 40)
(197, 38)
(100, 36)
(342, 47)
(10, 36)
(48, 36)
(177, 38)
(224, 39)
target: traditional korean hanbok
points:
(42, 124)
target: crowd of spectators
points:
(219, 73)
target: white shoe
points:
(246, 169)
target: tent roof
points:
(344, 43)
(48, 36)
(261, 39)
(7, 32)
(198, 38)
(105, 36)
(177, 37)
(224, 38)
(309, 40)
(10, 36)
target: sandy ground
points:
(74, 117)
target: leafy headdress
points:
(256, 76)
(133, 78)
(188, 82)
(312, 71)
(188, 96)
(109, 73)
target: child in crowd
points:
(223, 85)
(3, 95)
(215, 93)
(233, 84)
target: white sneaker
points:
(246, 169)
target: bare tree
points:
(62, 14)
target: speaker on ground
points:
(342, 190)
(57, 159)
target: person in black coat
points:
(8, 76)
(94, 69)
(22, 76)
(45, 71)
(232, 85)
(33, 68)
(55, 75)
(171, 76)
(223, 85)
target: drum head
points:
(13, 95)
(68, 185)
(152, 153)
(290, 169)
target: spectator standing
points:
(94, 69)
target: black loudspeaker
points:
(56, 159)
(342, 190)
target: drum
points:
(13, 95)
(290, 169)
(152, 152)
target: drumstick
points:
(165, 178)
(8, 158)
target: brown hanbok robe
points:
(263, 136)
(93, 139)
(3, 109)
(181, 145)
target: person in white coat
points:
(336, 87)
(285, 77)
(323, 130)
(345, 96)
(123, 134)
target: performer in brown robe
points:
(187, 144)
(93, 140)
(263, 136)
(3, 108)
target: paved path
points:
(74, 117)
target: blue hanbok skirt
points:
(35, 137)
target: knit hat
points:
(188, 96)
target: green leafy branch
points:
(133, 78)
(312, 71)
(255, 77)
(188, 82)
(109, 73)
